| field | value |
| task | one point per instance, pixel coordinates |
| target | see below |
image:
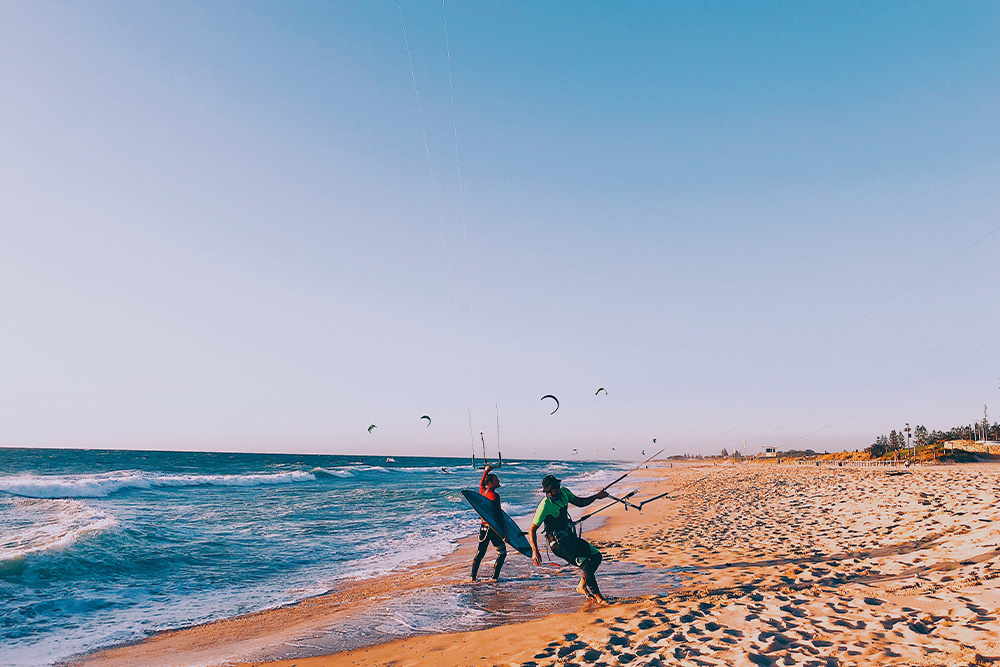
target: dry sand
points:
(788, 565)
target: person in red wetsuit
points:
(488, 486)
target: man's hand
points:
(488, 467)
(601, 494)
(536, 557)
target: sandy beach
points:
(779, 565)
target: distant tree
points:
(879, 448)
(894, 441)
(725, 453)
(920, 435)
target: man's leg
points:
(484, 542)
(501, 552)
(577, 552)
(589, 581)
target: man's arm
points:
(482, 480)
(536, 557)
(583, 502)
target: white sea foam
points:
(104, 484)
(365, 468)
(33, 525)
(313, 521)
(436, 539)
(595, 479)
(411, 613)
(106, 628)
(331, 472)
(519, 510)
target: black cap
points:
(550, 482)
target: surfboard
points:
(484, 508)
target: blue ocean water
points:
(100, 547)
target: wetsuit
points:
(553, 513)
(489, 536)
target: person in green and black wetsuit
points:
(553, 513)
(488, 486)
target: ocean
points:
(101, 547)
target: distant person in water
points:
(553, 513)
(488, 486)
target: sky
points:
(255, 226)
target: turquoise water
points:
(99, 547)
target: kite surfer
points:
(563, 541)
(488, 486)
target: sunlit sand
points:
(782, 565)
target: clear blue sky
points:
(754, 222)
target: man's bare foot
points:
(582, 589)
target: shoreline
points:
(777, 565)
(302, 628)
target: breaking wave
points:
(104, 484)
(33, 525)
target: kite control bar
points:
(649, 500)
(625, 502)
(623, 499)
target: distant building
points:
(770, 452)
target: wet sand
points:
(770, 565)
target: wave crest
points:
(104, 484)
(331, 472)
(43, 524)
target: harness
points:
(560, 530)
